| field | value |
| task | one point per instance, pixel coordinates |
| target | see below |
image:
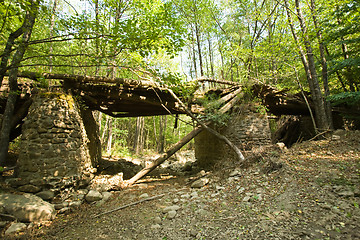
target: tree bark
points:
(323, 61)
(8, 48)
(139, 135)
(309, 66)
(110, 136)
(52, 24)
(29, 22)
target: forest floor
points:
(315, 195)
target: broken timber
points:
(186, 139)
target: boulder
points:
(46, 195)
(200, 183)
(106, 196)
(29, 188)
(27, 207)
(93, 196)
(170, 208)
(15, 227)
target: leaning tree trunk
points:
(323, 65)
(308, 61)
(316, 94)
(29, 22)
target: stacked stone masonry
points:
(54, 143)
(248, 128)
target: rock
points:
(187, 167)
(246, 198)
(234, 173)
(194, 195)
(75, 204)
(171, 214)
(27, 207)
(202, 212)
(107, 182)
(193, 233)
(29, 188)
(281, 146)
(186, 195)
(176, 200)
(82, 191)
(16, 182)
(157, 220)
(3, 224)
(346, 194)
(335, 137)
(59, 206)
(144, 195)
(357, 192)
(64, 210)
(15, 227)
(78, 197)
(46, 195)
(219, 188)
(106, 196)
(171, 208)
(155, 226)
(93, 196)
(200, 183)
(2, 209)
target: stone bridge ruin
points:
(60, 143)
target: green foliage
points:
(348, 98)
(211, 111)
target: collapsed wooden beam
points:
(164, 156)
(85, 78)
(186, 139)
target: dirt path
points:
(315, 195)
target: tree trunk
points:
(211, 58)
(8, 48)
(104, 131)
(52, 24)
(110, 137)
(321, 116)
(29, 22)
(309, 67)
(194, 55)
(162, 131)
(139, 135)
(323, 65)
(197, 34)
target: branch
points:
(130, 204)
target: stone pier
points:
(248, 128)
(54, 148)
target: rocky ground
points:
(310, 191)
